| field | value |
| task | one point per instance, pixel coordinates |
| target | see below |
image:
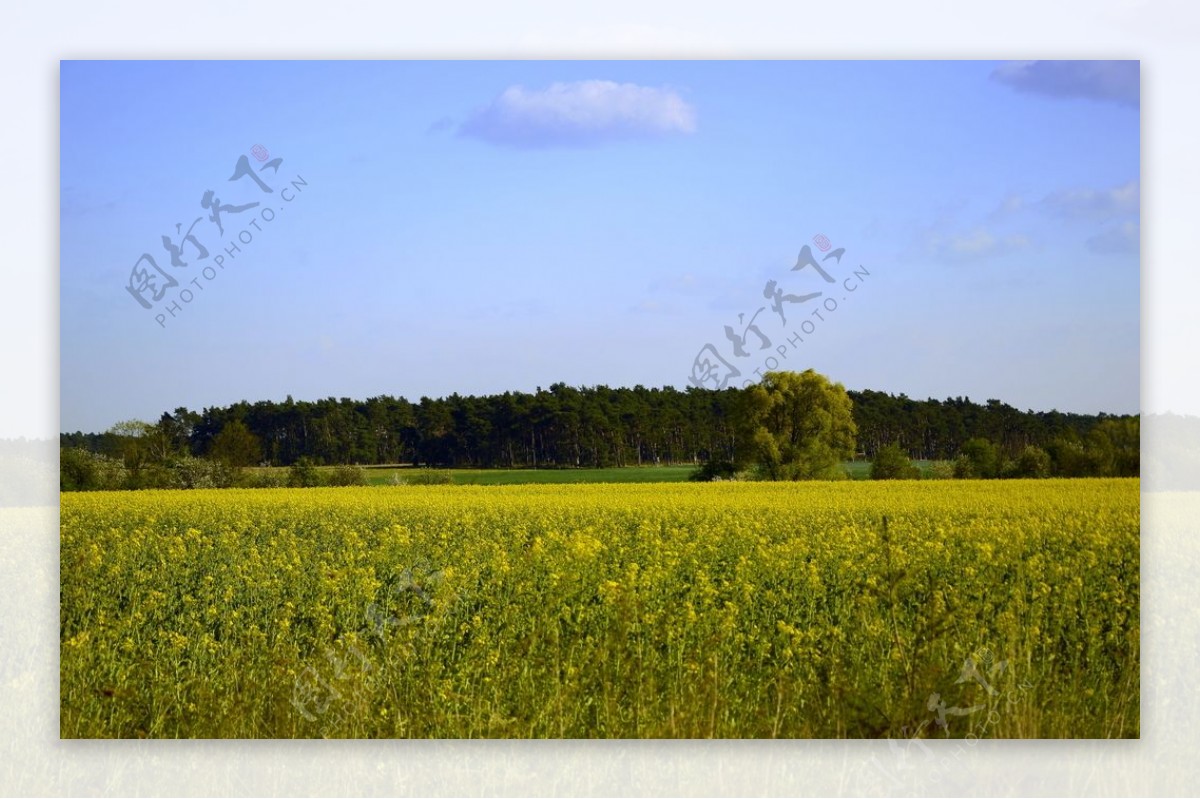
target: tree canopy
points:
(797, 426)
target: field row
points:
(997, 609)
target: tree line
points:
(597, 427)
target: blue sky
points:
(477, 227)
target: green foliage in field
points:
(1001, 609)
(236, 446)
(979, 458)
(303, 474)
(346, 476)
(1033, 462)
(796, 426)
(80, 470)
(892, 463)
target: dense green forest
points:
(594, 427)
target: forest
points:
(593, 427)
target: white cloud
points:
(1011, 205)
(1107, 81)
(1095, 204)
(973, 246)
(580, 113)
(1124, 238)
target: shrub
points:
(347, 476)
(261, 478)
(303, 474)
(892, 463)
(941, 470)
(1033, 462)
(155, 475)
(81, 470)
(191, 472)
(978, 458)
(76, 470)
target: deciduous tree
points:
(798, 426)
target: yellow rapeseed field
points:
(729, 610)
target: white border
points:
(34, 38)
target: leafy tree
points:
(176, 428)
(892, 463)
(978, 458)
(1124, 436)
(1067, 456)
(236, 446)
(80, 470)
(1101, 454)
(133, 437)
(798, 426)
(1032, 462)
(76, 470)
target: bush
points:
(1033, 462)
(155, 475)
(81, 470)
(76, 470)
(892, 463)
(714, 470)
(347, 476)
(191, 472)
(261, 478)
(978, 458)
(941, 470)
(303, 474)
